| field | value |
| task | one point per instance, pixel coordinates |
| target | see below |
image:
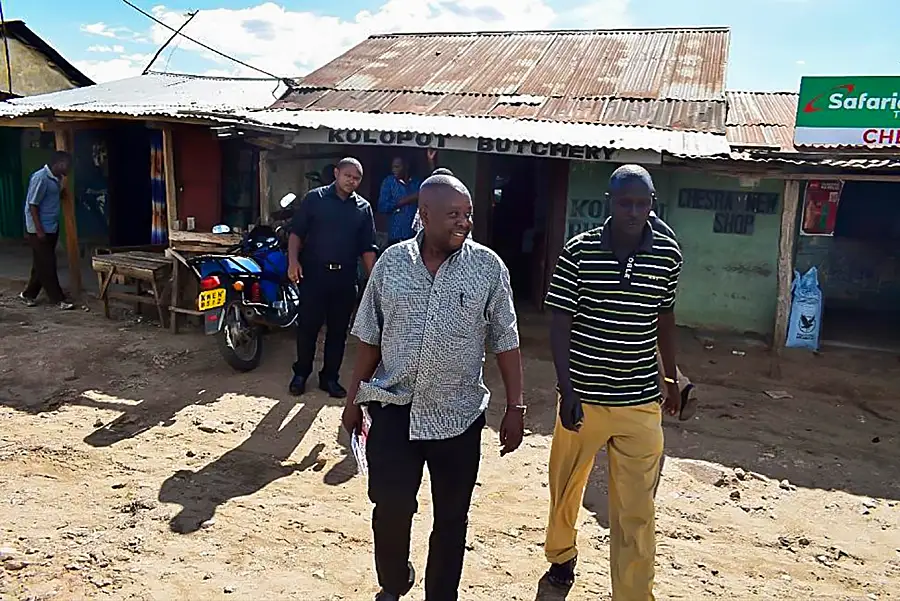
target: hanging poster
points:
(820, 207)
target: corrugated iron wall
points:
(12, 196)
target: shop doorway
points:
(860, 268)
(517, 224)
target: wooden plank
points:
(788, 237)
(169, 174)
(65, 143)
(264, 186)
(204, 238)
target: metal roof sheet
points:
(708, 116)
(682, 64)
(761, 119)
(614, 136)
(154, 94)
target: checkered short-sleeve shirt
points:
(433, 332)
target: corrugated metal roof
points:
(706, 116)
(762, 119)
(661, 64)
(668, 79)
(154, 94)
(612, 136)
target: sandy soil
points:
(135, 465)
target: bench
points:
(147, 271)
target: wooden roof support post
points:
(264, 205)
(169, 173)
(791, 206)
(66, 143)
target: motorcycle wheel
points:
(239, 342)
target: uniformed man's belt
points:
(333, 266)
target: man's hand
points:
(41, 235)
(431, 153)
(295, 272)
(570, 412)
(512, 430)
(672, 402)
(352, 418)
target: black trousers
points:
(326, 298)
(395, 475)
(43, 268)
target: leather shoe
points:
(334, 390)
(383, 596)
(298, 385)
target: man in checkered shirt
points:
(431, 307)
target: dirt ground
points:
(135, 465)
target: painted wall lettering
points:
(734, 223)
(386, 138)
(728, 201)
(574, 152)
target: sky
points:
(773, 42)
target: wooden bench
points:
(148, 271)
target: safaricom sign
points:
(848, 111)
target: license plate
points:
(211, 299)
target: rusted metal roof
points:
(670, 79)
(660, 64)
(764, 119)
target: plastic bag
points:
(806, 311)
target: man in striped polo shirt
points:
(613, 297)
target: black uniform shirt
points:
(333, 230)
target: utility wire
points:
(190, 17)
(205, 46)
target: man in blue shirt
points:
(42, 204)
(399, 198)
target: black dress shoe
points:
(383, 596)
(334, 390)
(298, 385)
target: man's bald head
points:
(440, 186)
(445, 206)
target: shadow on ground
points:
(259, 461)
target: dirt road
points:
(135, 465)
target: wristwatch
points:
(521, 408)
(669, 380)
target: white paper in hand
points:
(358, 444)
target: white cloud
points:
(106, 49)
(801, 63)
(109, 70)
(291, 43)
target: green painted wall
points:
(729, 281)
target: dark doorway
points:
(859, 268)
(130, 207)
(516, 232)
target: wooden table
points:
(142, 268)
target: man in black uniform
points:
(332, 228)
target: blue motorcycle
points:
(247, 291)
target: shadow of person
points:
(139, 418)
(256, 463)
(550, 592)
(343, 471)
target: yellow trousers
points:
(634, 441)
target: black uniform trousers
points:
(395, 475)
(43, 268)
(327, 297)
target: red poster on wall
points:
(820, 207)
